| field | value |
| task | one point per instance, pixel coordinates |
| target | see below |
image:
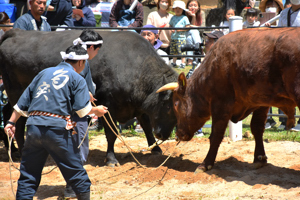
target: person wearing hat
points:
(211, 39)
(48, 102)
(178, 37)
(271, 5)
(152, 37)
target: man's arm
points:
(21, 24)
(10, 128)
(113, 15)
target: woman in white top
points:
(196, 19)
(161, 18)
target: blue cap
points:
(155, 31)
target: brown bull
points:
(245, 72)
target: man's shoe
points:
(294, 130)
(282, 126)
(297, 127)
(270, 124)
(69, 193)
(182, 66)
(199, 133)
(83, 196)
(173, 65)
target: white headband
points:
(72, 56)
(79, 41)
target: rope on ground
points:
(129, 149)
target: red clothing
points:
(115, 14)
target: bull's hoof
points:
(260, 162)
(156, 151)
(201, 168)
(111, 163)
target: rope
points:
(84, 134)
(129, 149)
(10, 163)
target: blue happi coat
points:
(87, 75)
(58, 90)
(27, 22)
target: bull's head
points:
(190, 113)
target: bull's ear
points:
(182, 83)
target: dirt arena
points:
(233, 176)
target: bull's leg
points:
(6, 111)
(146, 125)
(219, 124)
(257, 125)
(19, 135)
(110, 159)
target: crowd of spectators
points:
(129, 13)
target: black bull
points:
(127, 72)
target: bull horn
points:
(169, 86)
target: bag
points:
(127, 17)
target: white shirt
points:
(162, 53)
(226, 30)
(295, 18)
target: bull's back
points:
(253, 64)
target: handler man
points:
(49, 101)
(92, 42)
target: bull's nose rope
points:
(129, 149)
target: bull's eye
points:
(176, 104)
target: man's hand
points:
(10, 130)
(99, 110)
(77, 17)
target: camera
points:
(190, 47)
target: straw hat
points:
(262, 5)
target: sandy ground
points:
(233, 176)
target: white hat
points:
(179, 4)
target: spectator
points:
(88, 18)
(229, 13)
(152, 37)
(59, 13)
(271, 5)
(4, 19)
(211, 38)
(290, 17)
(120, 13)
(178, 37)
(195, 18)
(33, 20)
(161, 18)
(251, 18)
(49, 133)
